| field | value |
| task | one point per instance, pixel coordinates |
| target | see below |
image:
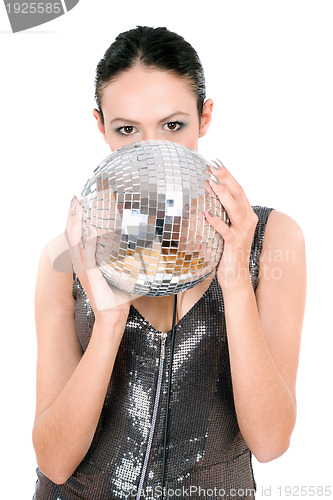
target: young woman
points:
(237, 333)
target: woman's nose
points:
(150, 136)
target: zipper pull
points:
(164, 337)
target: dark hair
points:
(152, 47)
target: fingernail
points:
(75, 209)
(217, 164)
(214, 179)
(210, 213)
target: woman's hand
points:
(107, 303)
(233, 268)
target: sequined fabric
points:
(206, 454)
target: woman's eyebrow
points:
(120, 119)
(177, 113)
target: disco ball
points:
(145, 200)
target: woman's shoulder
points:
(277, 221)
(282, 234)
(280, 224)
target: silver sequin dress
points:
(207, 455)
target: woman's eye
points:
(173, 126)
(126, 130)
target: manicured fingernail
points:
(214, 179)
(75, 208)
(217, 164)
(91, 230)
(210, 213)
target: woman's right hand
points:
(107, 303)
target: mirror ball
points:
(146, 201)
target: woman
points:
(237, 334)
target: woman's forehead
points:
(145, 90)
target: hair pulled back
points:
(156, 48)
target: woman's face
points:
(143, 103)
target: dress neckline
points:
(178, 325)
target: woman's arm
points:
(263, 330)
(264, 334)
(71, 386)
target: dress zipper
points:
(153, 420)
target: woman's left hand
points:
(233, 269)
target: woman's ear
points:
(206, 117)
(100, 125)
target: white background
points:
(269, 70)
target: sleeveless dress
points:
(207, 455)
